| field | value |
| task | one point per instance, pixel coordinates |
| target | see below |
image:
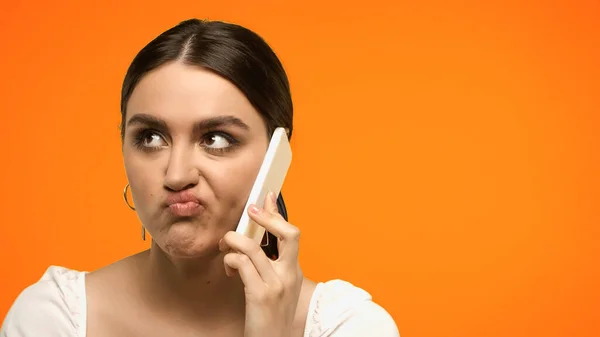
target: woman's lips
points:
(189, 208)
(184, 203)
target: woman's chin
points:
(182, 246)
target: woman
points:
(198, 106)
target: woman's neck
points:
(194, 287)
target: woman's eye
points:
(152, 140)
(216, 141)
(149, 140)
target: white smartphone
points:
(270, 177)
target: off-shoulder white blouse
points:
(55, 306)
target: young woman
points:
(199, 104)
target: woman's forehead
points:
(181, 92)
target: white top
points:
(56, 306)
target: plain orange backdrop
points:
(446, 154)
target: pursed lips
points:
(184, 203)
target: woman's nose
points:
(182, 172)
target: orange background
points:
(446, 156)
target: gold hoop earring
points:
(266, 244)
(125, 197)
(133, 209)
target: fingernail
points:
(273, 198)
(254, 209)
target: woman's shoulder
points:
(340, 308)
(52, 306)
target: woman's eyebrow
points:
(220, 121)
(206, 124)
(149, 120)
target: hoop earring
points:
(266, 244)
(125, 197)
(133, 209)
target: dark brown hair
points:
(231, 51)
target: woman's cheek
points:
(231, 187)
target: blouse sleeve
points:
(49, 308)
(340, 309)
(368, 319)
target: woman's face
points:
(193, 146)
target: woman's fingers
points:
(229, 271)
(239, 243)
(245, 268)
(272, 221)
(259, 274)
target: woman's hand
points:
(272, 288)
